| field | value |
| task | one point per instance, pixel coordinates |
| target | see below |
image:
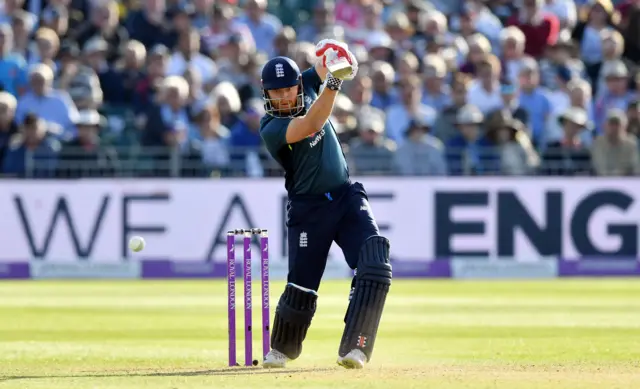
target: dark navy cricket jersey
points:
(314, 165)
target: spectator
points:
(8, 127)
(569, 156)
(84, 156)
(559, 102)
(514, 148)
(422, 154)
(203, 9)
(470, 152)
(436, 94)
(371, 153)
(169, 115)
(612, 48)
(221, 28)
(559, 56)
(229, 103)
(479, 49)
(129, 72)
(148, 26)
(13, 67)
(540, 29)
(14, 8)
(33, 151)
(214, 140)
(444, 127)
(324, 16)
(147, 88)
(188, 55)
(597, 16)
(344, 119)
(283, 43)
(79, 80)
(95, 53)
(534, 100)
(46, 48)
(263, 26)
(399, 115)
(615, 93)
(383, 76)
(616, 153)
(484, 90)
(633, 117)
(52, 105)
(511, 103)
(245, 140)
(512, 47)
(103, 23)
(22, 25)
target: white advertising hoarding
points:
(428, 218)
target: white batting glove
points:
(331, 52)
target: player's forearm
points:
(316, 117)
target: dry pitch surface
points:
(435, 334)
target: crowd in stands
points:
(171, 88)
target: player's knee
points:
(373, 262)
(294, 313)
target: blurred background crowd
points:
(171, 88)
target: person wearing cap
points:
(470, 152)
(615, 152)
(32, 138)
(84, 156)
(371, 153)
(422, 154)
(513, 145)
(534, 100)
(569, 156)
(615, 93)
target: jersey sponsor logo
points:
(317, 137)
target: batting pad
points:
(372, 282)
(295, 310)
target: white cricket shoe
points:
(275, 359)
(355, 359)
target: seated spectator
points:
(130, 71)
(221, 27)
(383, 76)
(79, 80)
(263, 26)
(22, 25)
(534, 100)
(45, 50)
(560, 55)
(422, 154)
(516, 152)
(103, 23)
(214, 140)
(633, 117)
(344, 119)
(437, 93)
(511, 103)
(512, 45)
(187, 54)
(371, 153)
(8, 126)
(148, 25)
(541, 29)
(471, 152)
(245, 140)
(479, 48)
(56, 17)
(444, 127)
(95, 57)
(84, 156)
(324, 16)
(13, 67)
(569, 156)
(13, 8)
(616, 153)
(33, 152)
(399, 115)
(614, 93)
(484, 90)
(51, 105)
(148, 86)
(229, 103)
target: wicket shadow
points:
(237, 371)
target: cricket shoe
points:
(355, 359)
(275, 359)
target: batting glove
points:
(329, 50)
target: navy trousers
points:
(314, 222)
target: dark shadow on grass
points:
(237, 371)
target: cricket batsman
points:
(324, 206)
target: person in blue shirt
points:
(323, 207)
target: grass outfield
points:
(435, 334)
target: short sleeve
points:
(274, 134)
(311, 79)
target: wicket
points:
(231, 292)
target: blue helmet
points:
(277, 73)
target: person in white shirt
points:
(188, 55)
(484, 91)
